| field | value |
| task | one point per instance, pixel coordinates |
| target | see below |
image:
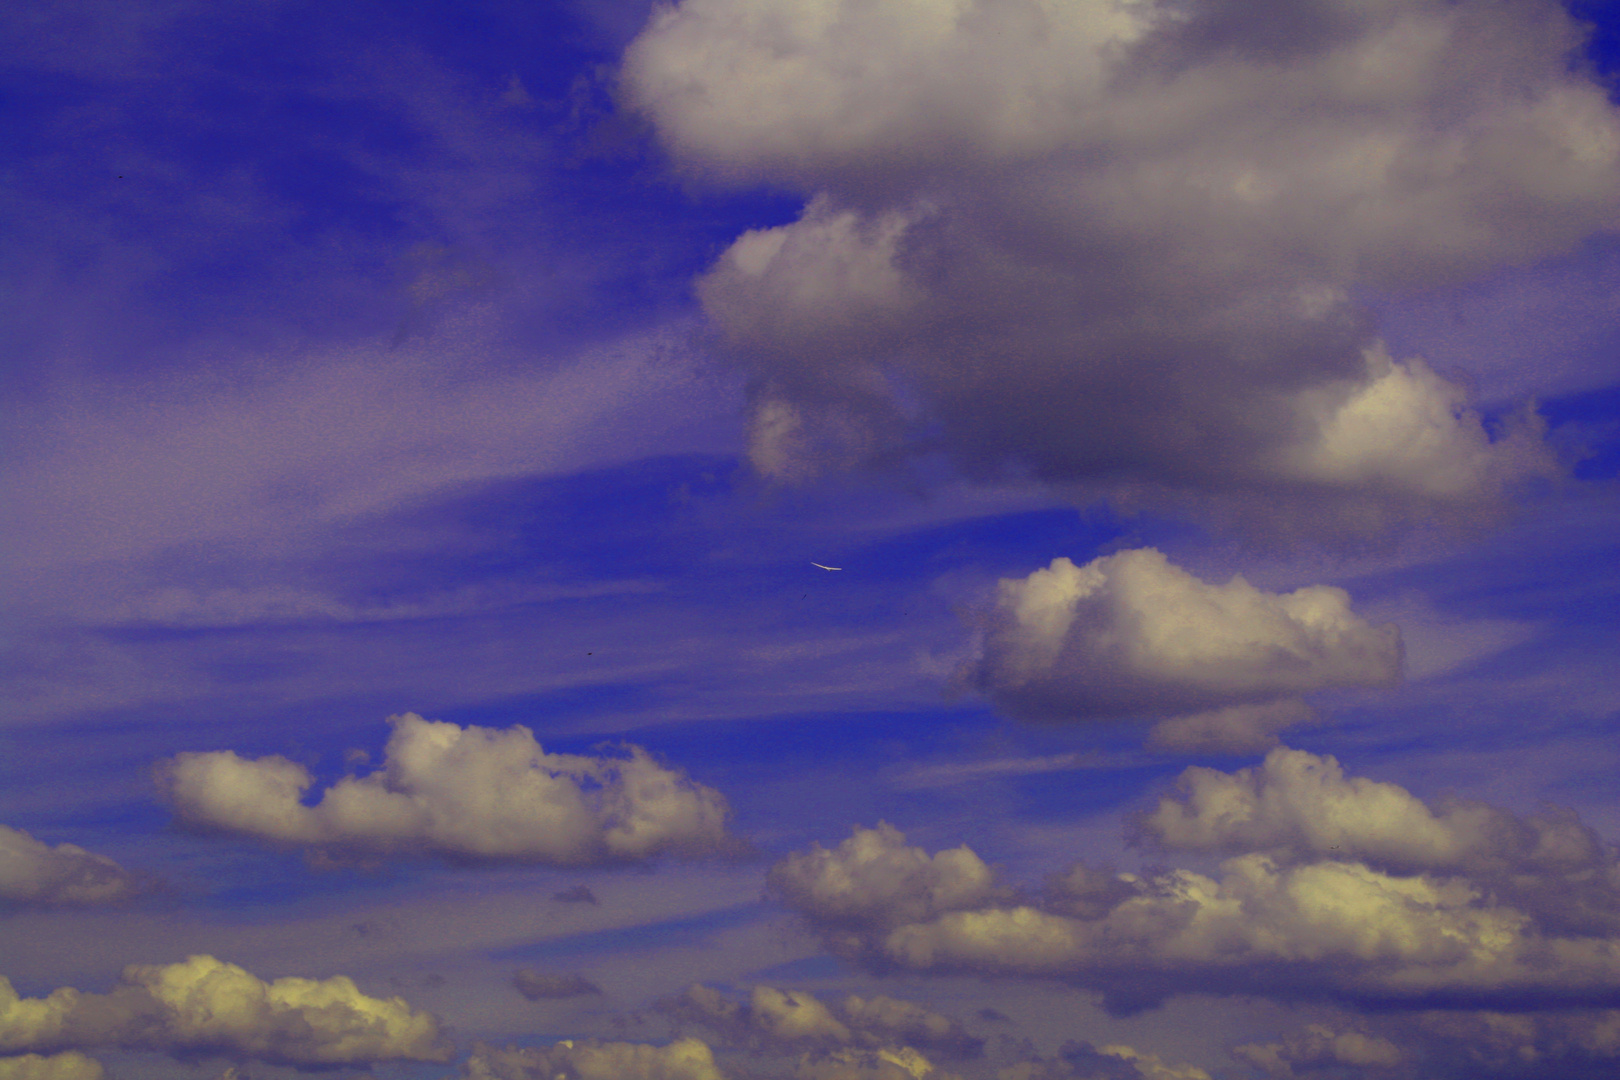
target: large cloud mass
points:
(205, 1006)
(68, 1066)
(473, 792)
(1333, 888)
(1132, 633)
(35, 873)
(1118, 241)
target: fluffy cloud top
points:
(36, 873)
(1308, 904)
(69, 1066)
(775, 1019)
(481, 793)
(683, 1059)
(1116, 242)
(203, 1005)
(1132, 633)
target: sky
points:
(814, 540)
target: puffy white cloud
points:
(481, 793)
(1116, 242)
(683, 1059)
(1319, 1047)
(1131, 633)
(1363, 895)
(792, 1020)
(205, 1006)
(67, 1066)
(874, 880)
(35, 873)
(1297, 807)
(539, 985)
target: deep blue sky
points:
(382, 358)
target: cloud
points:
(1297, 807)
(1319, 1047)
(477, 793)
(1131, 633)
(67, 1066)
(36, 873)
(792, 1020)
(683, 1059)
(205, 1006)
(539, 985)
(1082, 1061)
(1118, 243)
(1236, 729)
(1333, 889)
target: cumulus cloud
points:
(774, 1019)
(67, 1066)
(1118, 242)
(1351, 890)
(1131, 633)
(683, 1059)
(540, 985)
(1297, 807)
(205, 1006)
(474, 792)
(35, 873)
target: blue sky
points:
(423, 423)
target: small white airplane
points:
(827, 567)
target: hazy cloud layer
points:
(205, 1006)
(66, 1066)
(684, 1059)
(481, 793)
(35, 873)
(1434, 920)
(1118, 243)
(1132, 633)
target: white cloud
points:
(683, 1059)
(473, 792)
(203, 1005)
(1297, 807)
(67, 1066)
(1082, 1061)
(35, 873)
(792, 1020)
(1335, 887)
(1117, 242)
(1132, 633)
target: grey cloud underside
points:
(1119, 243)
(1333, 889)
(32, 872)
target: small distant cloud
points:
(544, 985)
(577, 894)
